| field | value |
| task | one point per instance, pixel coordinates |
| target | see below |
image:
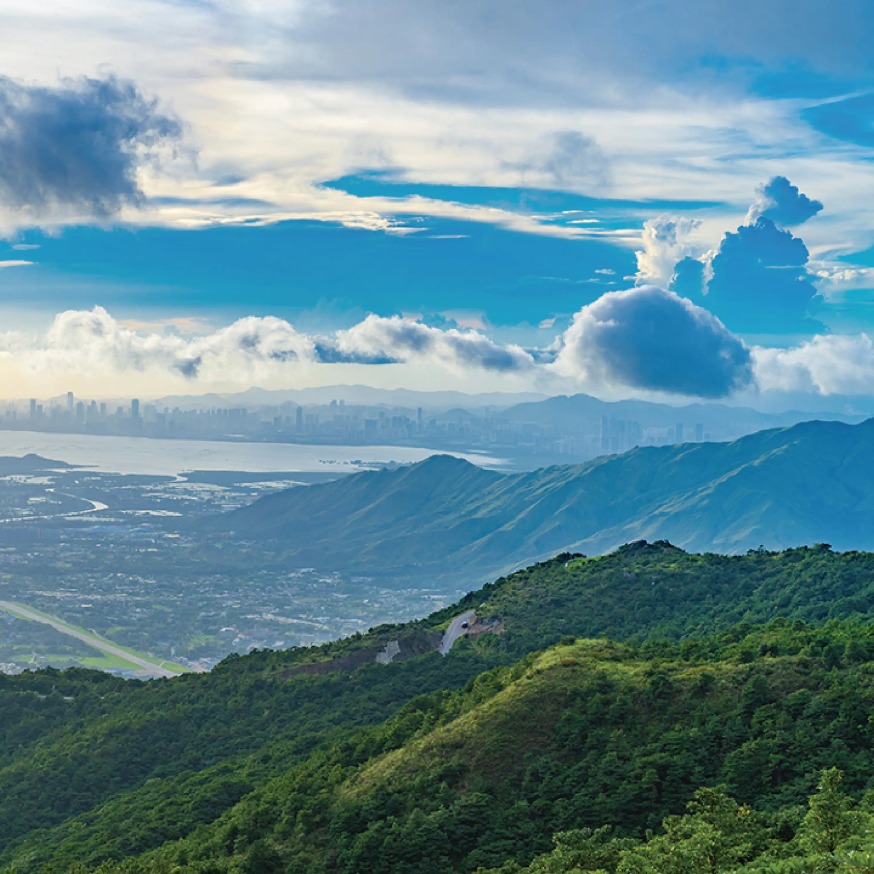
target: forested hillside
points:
(447, 518)
(752, 673)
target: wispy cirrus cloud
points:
(463, 96)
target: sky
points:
(616, 197)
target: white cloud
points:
(827, 364)
(666, 240)
(453, 94)
(93, 343)
(836, 280)
(843, 274)
(398, 339)
(650, 339)
(15, 263)
(643, 341)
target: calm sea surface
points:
(145, 455)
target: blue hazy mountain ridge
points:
(354, 394)
(30, 463)
(585, 411)
(538, 408)
(809, 483)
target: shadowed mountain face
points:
(813, 482)
(29, 463)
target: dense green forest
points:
(620, 714)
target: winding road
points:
(458, 627)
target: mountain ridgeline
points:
(813, 482)
(325, 760)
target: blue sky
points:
(490, 194)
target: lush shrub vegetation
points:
(296, 762)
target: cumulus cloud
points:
(826, 364)
(781, 202)
(665, 242)
(649, 338)
(836, 282)
(94, 342)
(76, 146)
(844, 275)
(645, 339)
(400, 339)
(760, 280)
(689, 278)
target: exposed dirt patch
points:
(411, 644)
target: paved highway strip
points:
(459, 626)
(137, 663)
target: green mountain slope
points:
(810, 483)
(583, 734)
(97, 768)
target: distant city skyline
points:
(521, 434)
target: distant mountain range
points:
(355, 395)
(583, 410)
(447, 518)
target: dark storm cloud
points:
(77, 145)
(650, 338)
(781, 202)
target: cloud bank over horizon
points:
(644, 341)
